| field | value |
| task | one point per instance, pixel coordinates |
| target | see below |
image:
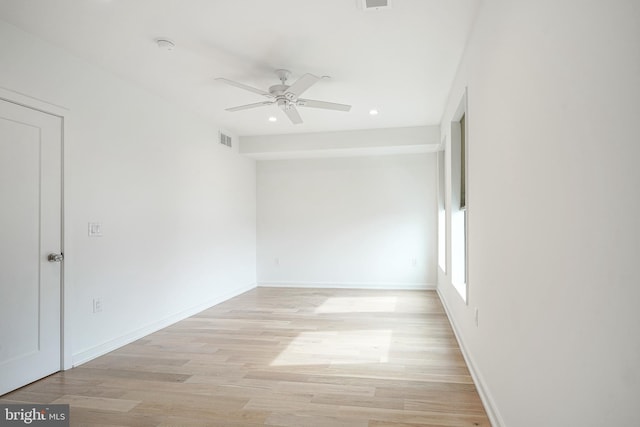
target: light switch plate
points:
(95, 229)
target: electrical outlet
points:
(97, 305)
(277, 261)
(95, 229)
(476, 317)
(414, 262)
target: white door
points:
(30, 230)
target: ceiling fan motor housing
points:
(278, 90)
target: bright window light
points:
(458, 248)
(358, 305)
(337, 347)
(442, 244)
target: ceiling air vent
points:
(224, 139)
(374, 5)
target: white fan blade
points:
(245, 87)
(293, 115)
(302, 84)
(246, 107)
(312, 103)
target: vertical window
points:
(463, 164)
(459, 197)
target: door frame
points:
(63, 113)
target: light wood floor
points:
(281, 357)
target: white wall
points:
(350, 222)
(177, 208)
(553, 201)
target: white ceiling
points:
(400, 61)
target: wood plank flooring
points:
(281, 357)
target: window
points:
(459, 197)
(463, 165)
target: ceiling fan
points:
(287, 96)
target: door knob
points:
(55, 258)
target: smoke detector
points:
(165, 44)
(374, 5)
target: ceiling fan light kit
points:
(286, 97)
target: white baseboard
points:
(106, 347)
(349, 285)
(485, 396)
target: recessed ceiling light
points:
(373, 112)
(273, 119)
(165, 44)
